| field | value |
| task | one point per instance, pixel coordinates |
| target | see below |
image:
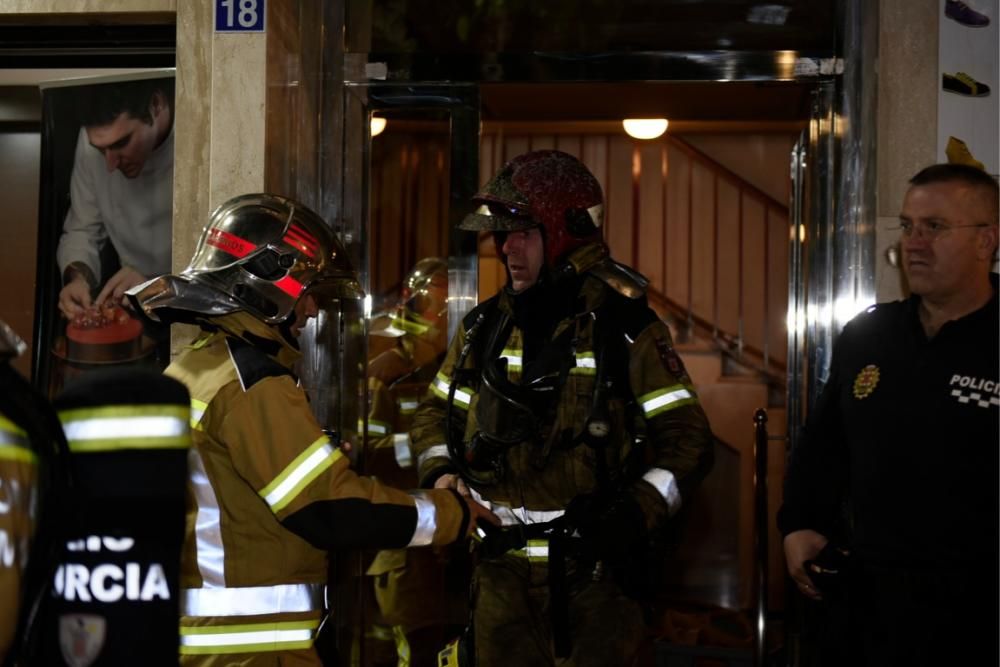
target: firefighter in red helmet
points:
(562, 406)
(269, 492)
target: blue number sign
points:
(239, 15)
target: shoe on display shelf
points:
(963, 84)
(964, 14)
(959, 153)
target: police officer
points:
(271, 493)
(891, 499)
(34, 481)
(420, 593)
(536, 410)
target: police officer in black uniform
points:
(891, 500)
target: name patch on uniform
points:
(866, 381)
(971, 390)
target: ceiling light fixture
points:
(378, 124)
(644, 128)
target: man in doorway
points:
(537, 411)
(121, 190)
(891, 500)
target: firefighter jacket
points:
(269, 495)
(33, 485)
(650, 392)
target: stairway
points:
(717, 554)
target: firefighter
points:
(34, 480)
(269, 492)
(116, 590)
(537, 411)
(420, 593)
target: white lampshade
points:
(378, 124)
(645, 128)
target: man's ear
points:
(988, 240)
(157, 103)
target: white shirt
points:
(136, 214)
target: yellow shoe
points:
(958, 153)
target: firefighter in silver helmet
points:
(270, 493)
(536, 412)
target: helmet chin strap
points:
(285, 327)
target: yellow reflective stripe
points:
(408, 405)
(6, 425)
(662, 400)
(120, 427)
(409, 326)
(377, 427)
(306, 467)
(13, 452)
(197, 412)
(441, 387)
(513, 357)
(536, 551)
(585, 364)
(248, 638)
(14, 444)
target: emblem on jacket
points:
(866, 381)
(81, 638)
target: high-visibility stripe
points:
(409, 326)
(14, 443)
(306, 467)
(401, 448)
(513, 516)
(207, 529)
(661, 400)
(248, 638)
(536, 550)
(253, 600)
(377, 427)
(441, 387)
(666, 485)
(436, 451)
(423, 534)
(198, 409)
(127, 427)
(513, 357)
(585, 364)
(289, 286)
(408, 405)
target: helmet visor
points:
(493, 216)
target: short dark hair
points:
(102, 103)
(946, 172)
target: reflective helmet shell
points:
(259, 253)
(547, 188)
(423, 300)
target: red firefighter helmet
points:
(259, 253)
(546, 188)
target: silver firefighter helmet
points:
(260, 253)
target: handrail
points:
(728, 344)
(727, 173)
